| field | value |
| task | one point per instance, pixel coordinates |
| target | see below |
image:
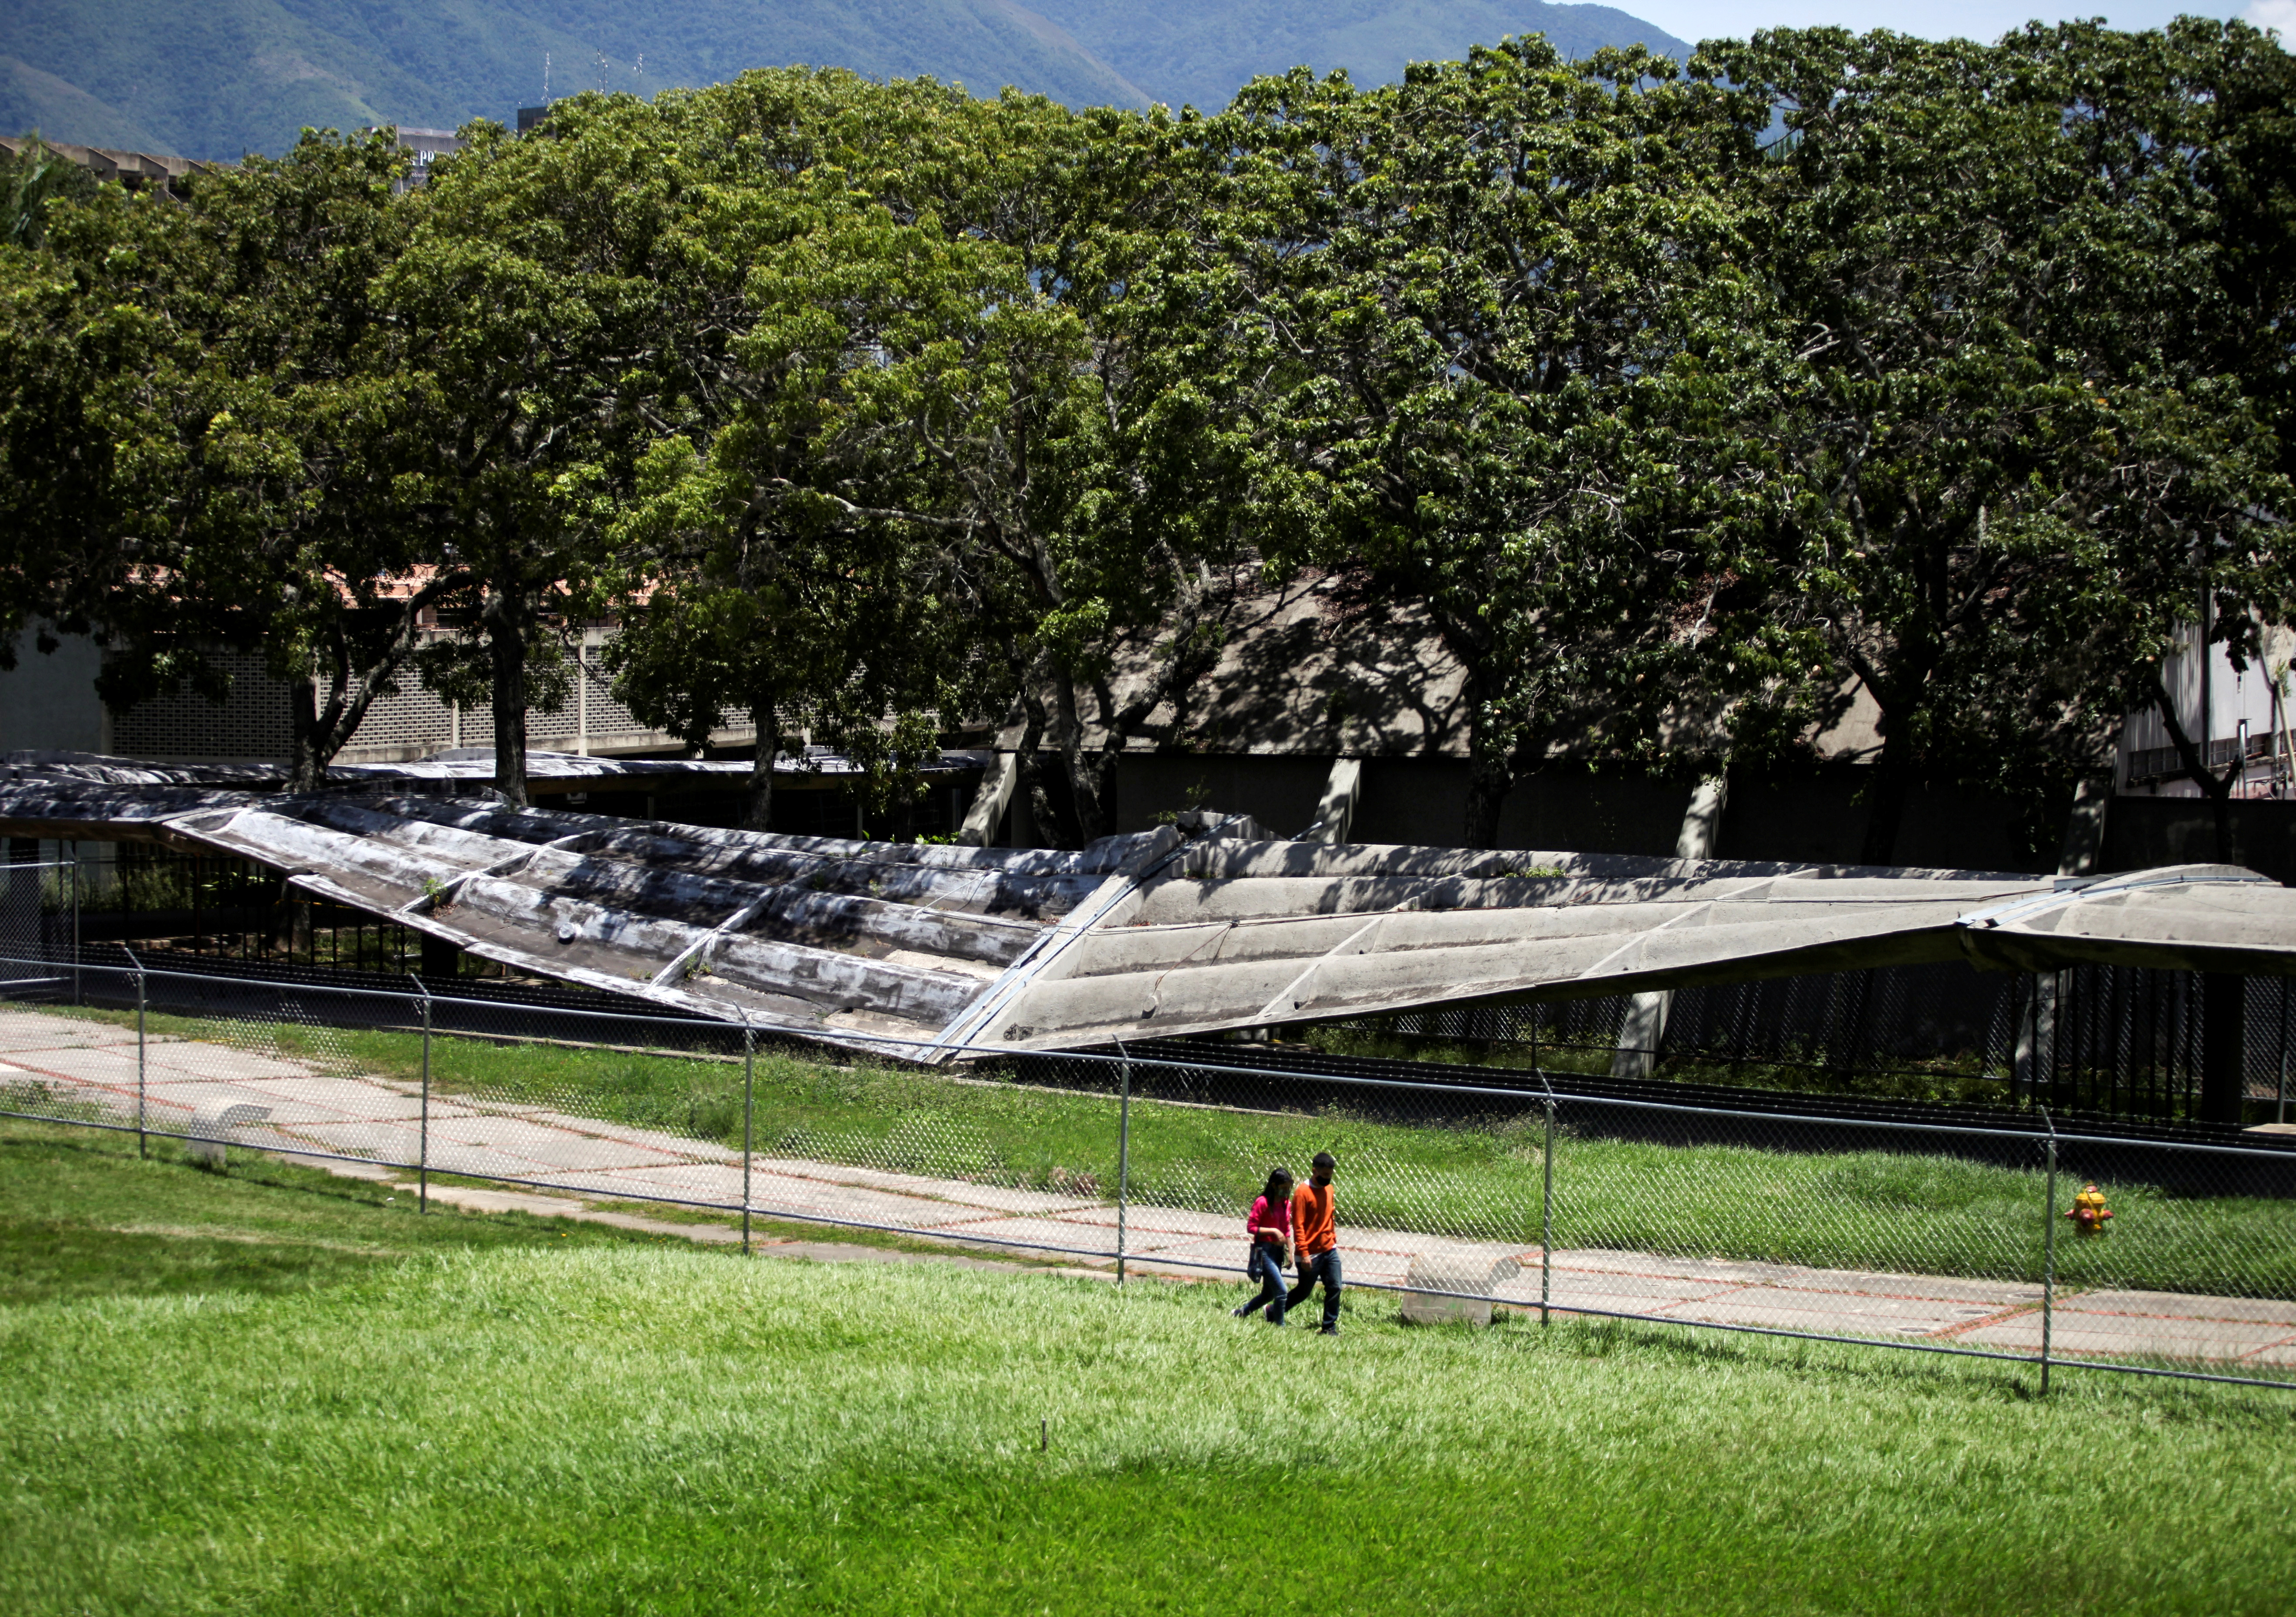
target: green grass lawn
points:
(401, 1414)
(1956, 1080)
(85, 1219)
(1477, 1177)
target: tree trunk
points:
(1051, 825)
(2217, 788)
(1084, 821)
(307, 770)
(1099, 790)
(1885, 804)
(506, 640)
(1490, 771)
(1489, 782)
(290, 922)
(764, 718)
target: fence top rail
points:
(892, 1045)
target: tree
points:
(30, 180)
(1000, 339)
(202, 404)
(733, 595)
(1110, 496)
(730, 605)
(1502, 291)
(1983, 489)
(552, 310)
(2193, 129)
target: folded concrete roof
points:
(545, 771)
(935, 952)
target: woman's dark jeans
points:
(1266, 1265)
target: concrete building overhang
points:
(469, 769)
(936, 953)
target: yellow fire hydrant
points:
(2089, 1211)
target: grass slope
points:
(509, 1421)
(213, 78)
(82, 1216)
(1203, 52)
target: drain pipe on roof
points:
(1639, 1035)
(1335, 812)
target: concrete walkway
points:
(85, 1063)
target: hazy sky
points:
(1696, 20)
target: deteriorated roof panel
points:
(935, 952)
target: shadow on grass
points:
(83, 1216)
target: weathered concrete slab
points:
(2172, 1305)
(29, 1031)
(2074, 1333)
(515, 1139)
(1828, 1313)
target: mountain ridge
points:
(1179, 61)
(220, 77)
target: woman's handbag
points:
(1267, 1257)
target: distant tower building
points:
(428, 145)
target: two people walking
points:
(1295, 1225)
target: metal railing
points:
(1460, 1189)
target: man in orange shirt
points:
(1315, 1240)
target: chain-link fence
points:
(38, 930)
(1459, 1190)
(2119, 1041)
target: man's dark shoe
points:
(1329, 1330)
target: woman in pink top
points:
(1269, 1225)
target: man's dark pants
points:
(1323, 1266)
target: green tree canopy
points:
(1994, 463)
(203, 412)
(1501, 291)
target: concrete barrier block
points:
(213, 1123)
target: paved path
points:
(92, 1063)
(723, 1231)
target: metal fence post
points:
(423, 1149)
(2280, 1109)
(142, 1140)
(1546, 1206)
(75, 935)
(2049, 1252)
(748, 1093)
(1546, 1220)
(1123, 1155)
